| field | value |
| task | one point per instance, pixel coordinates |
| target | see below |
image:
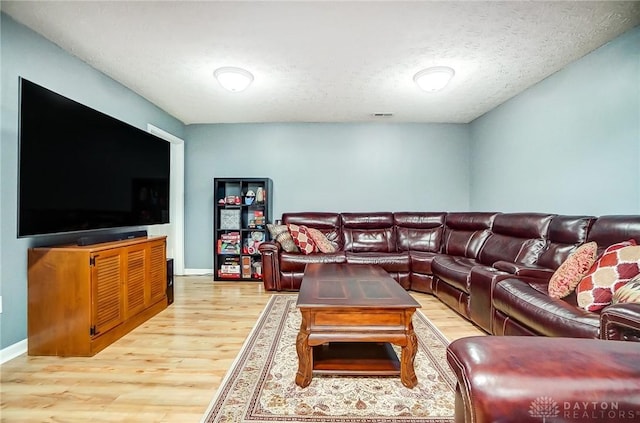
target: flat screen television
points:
(82, 170)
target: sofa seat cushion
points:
(391, 262)
(454, 270)
(531, 305)
(292, 262)
(421, 262)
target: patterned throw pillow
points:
(575, 267)
(301, 237)
(617, 265)
(321, 241)
(280, 234)
(628, 293)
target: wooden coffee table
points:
(351, 313)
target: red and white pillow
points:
(302, 238)
(618, 264)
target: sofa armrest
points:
(528, 270)
(620, 322)
(270, 251)
(269, 246)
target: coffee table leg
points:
(407, 371)
(305, 359)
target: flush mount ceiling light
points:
(434, 79)
(233, 79)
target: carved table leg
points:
(305, 358)
(407, 371)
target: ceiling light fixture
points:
(434, 79)
(233, 79)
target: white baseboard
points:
(194, 272)
(12, 351)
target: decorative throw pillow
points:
(628, 293)
(572, 270)
(301, 237)
(617, 265)
(280, 234)
(321, 241)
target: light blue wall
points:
(25, 53)
(325, 167)
(570, 144)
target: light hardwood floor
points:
(166, 370)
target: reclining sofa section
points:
(491, 268)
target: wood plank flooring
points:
(166, 370)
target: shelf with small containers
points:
(242, 209)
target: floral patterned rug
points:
(260, 385)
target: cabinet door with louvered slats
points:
(107, 305)
(136, 275)
(158, 271)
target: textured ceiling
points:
(322, 61)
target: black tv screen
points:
(80, 169)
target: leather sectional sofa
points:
(491, 268)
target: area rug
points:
(260, 385)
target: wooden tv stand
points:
(83, 298)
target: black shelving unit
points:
(242, 209)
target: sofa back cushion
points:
(465, 233)
(566, 233)
(330, 224)
(516, 238)
(419, 231)
(369, 232)
(608, 230)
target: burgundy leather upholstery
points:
(566, 233)
(607, 230)
(370, 238)
(523, 379)
(421, 271)
(369, 232)
(521, 308)
(621, 322)
(330, 224)
(419, 231)
(512, 237)
(530, 306)
(492, 268)
(516, 238)
(282, 271)
(465, 234)
(420, 234)
(270, 252)
(452, 283)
